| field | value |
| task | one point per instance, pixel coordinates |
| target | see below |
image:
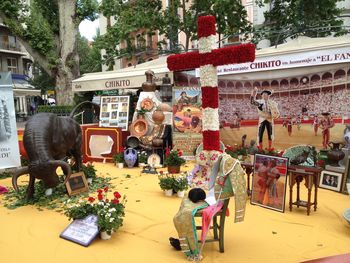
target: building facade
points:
(14, 58)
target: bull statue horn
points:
(65, 167)
(17, 174)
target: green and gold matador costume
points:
(227, 179)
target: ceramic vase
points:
(130, 157)
(181, 194)
(168, 192)
(335, 154)
(104, 235)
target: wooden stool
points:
(311, 175)
(218, 235)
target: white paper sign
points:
(82, 231)
(9, 149)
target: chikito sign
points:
(291, 60)
(117, 83)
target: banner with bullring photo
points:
(9, 149)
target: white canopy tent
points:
(126, 78)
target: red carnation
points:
(99, 191)
(117, 195)
(91, 199)
(180, 153)
(115, 201)
(105, 189)
(99, 197)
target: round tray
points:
(153, 160)
(147, 104)
(139, 128)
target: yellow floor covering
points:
(29, 235)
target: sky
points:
(88, 28)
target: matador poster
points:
(9, 150)
(187, 118)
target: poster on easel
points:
(9, 149)
(115, 111)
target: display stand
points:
(311, 175)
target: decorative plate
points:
(139, 128)
(147, 104)
(153, 160)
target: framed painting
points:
(269, 182)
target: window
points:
(12, 65)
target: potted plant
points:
(174, 160)
(166, 183)
(109, 212)
(89, 171)
(180, 185)
(142, 158)
(119, 159)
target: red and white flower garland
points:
(207, 59)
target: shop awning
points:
(25, 90)
(126, 78)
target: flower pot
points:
(181, 194)
(168, 192)
(120, 165)
(174, 169)
(89, 180)
(104, 235)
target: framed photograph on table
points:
(269, 182)
(331, 180)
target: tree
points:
(49, 31)
(312, 18)
(129, 16)
(231, 18)
(89, 56)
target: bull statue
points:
(48, 140)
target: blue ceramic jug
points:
(130, 157)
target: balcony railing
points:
(10, 46)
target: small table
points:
(311, 175)
(249, 168)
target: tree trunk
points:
(68, 67)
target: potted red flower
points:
(174, 161)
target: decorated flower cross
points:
(207, 59)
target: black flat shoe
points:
(175, 243)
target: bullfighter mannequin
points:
(267, 111)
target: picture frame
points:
(82, 231)
(346, 178)
(115, 111)
(331, 180)
(269, 182)
(77, 184)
